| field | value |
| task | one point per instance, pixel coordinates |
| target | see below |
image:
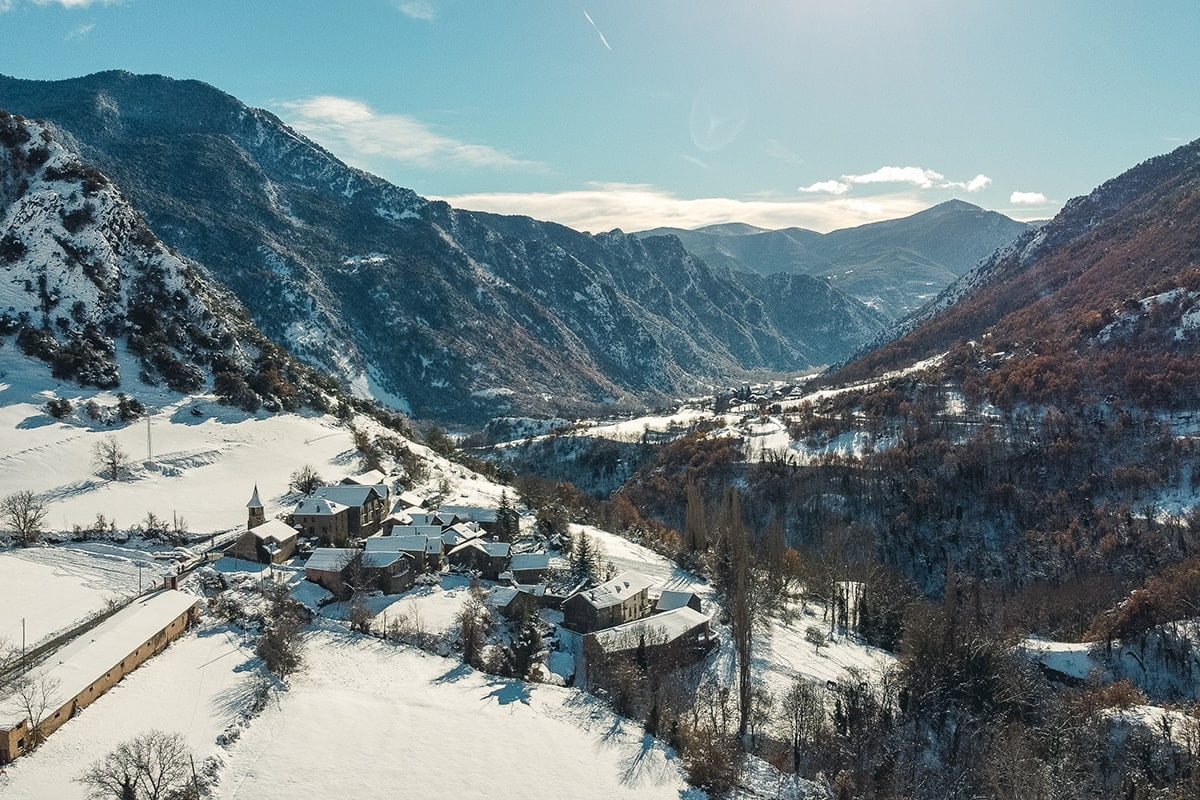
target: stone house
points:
(334, 568)
(323, 519)
(272, 542)
(489, 559)
(623, 599)
(368, 506)
(425, 550)
(529, 567)
(666, 641)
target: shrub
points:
(58, 407)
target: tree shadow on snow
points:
(454, 674)
(510, 692)
(35, 421)
(638, 769)
(241, 696)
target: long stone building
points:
(94, 662)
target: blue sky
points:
(637, 114)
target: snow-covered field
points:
(366, 719)
(204, 467)
(196, 687)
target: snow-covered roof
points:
(397, 544)
(473, 513)
(456, 536)
(351, 495)
(371, 477)
(85, 660)
(417, 530)
(658, 629)
(433, 545)
(611, 593)
(670, 600)
(319, 507)
(522, 561)
(254, 501)
(275, 529)
(381, 560)
(330, 559)
(409, 500)
(501, 596)
(492, 549)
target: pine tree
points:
(585, 559)
(507, 519)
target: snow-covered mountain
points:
(895, 266)
(449, 314)
(82, 279)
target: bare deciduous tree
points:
(33, 697)
(306, 480)
(473, 621)
(24, 512)
(152, 766)
(280, 645)
(109, 457)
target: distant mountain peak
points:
(894, 266)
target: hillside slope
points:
(84, 279)
(1100, 300)
(450, 314)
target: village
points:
(366, 547)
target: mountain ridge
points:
(894, 266)
(445, 313)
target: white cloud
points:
(976, 184)
(600, 33)
(418, 9)
(826, 187)
(979, 182)
(917, 176)
(75, 3)
(920, 177)
(78, 33)
(634, 207)
(9, 5)
(363, 136)
(1027, 199)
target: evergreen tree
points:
(585, 560)
(507, 519)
